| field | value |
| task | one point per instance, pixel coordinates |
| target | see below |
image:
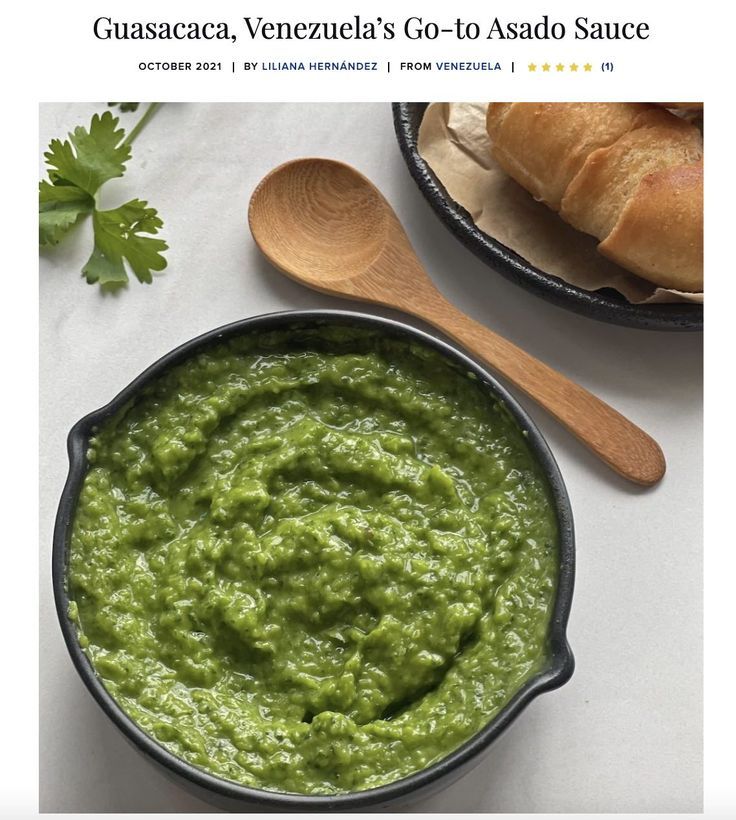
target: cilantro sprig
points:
(124, 237)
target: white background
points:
(626, 733)
(49, 54)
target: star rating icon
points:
(559, 67)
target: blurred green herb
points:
(124, 106)
(78, 167)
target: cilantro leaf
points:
(101, 270)
(78, 167)
(118, 237)
(89, 158)
(59, 208)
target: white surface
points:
(626, 733)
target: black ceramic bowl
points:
(606, 304)
(233, 796)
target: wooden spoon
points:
(327, 226)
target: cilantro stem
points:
(140, 125)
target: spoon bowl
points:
(334, 229)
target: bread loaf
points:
(630, 174)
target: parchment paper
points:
(453, 140)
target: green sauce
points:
(313, 562)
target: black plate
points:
(233, 796)
(606, 304)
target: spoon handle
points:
(623, 446)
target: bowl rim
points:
(512, 266)
(558, 670)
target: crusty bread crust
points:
(560, 136)
(626, 173)
(659, 234)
